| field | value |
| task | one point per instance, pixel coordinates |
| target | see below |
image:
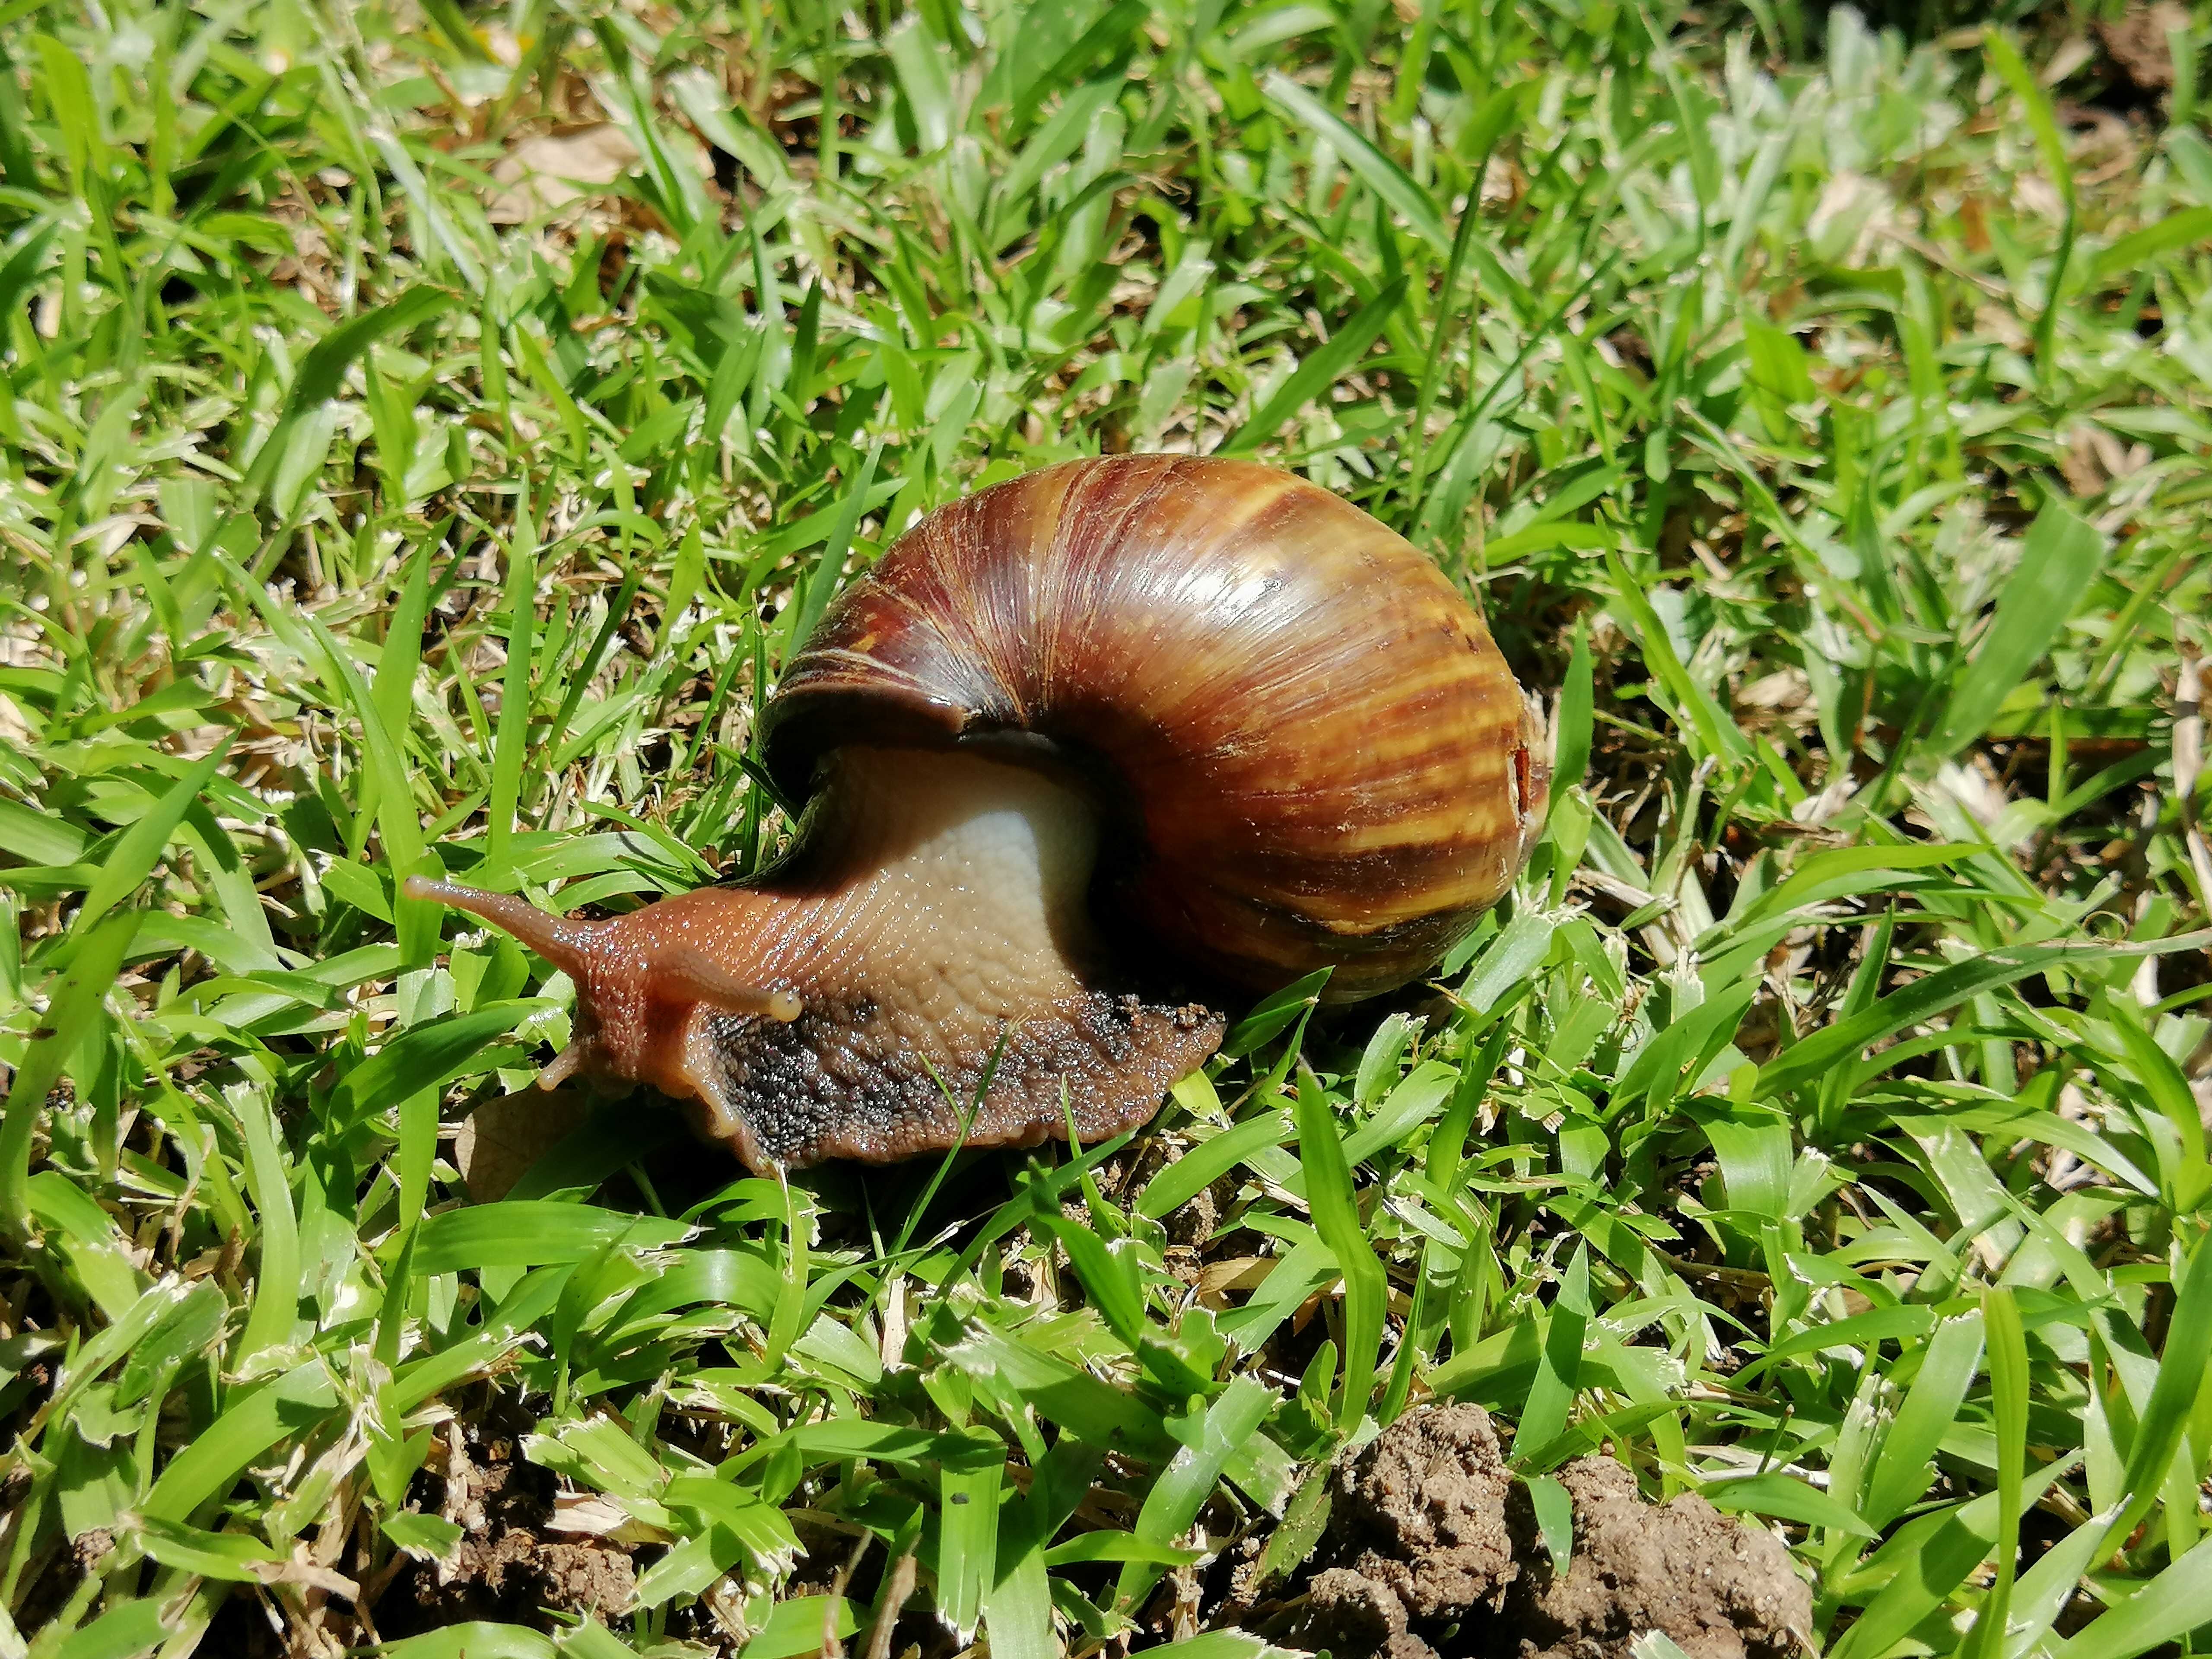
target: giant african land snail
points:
(1115, 725)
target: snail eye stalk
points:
(562, 941)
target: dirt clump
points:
(1720, 1588)
(1433, 1549)
(1424, 1504)
(1348, 1612)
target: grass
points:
(1819, 415)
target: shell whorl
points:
(1315, 753)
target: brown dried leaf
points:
(505, 1135)
(1243, 1273)
(550, 170)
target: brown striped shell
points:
(1314, 751)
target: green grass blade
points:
(2191, 228)
(1559, 1364)
(2008, 1393)
(1318, 373)
(514, 735)
(1377, 171)
(75, 1003)
(1938, 994)
(143, 845)
(2167, 1609)
(316, 382)
(1335, 1209)
(1570, 761)
(822, 582)
(532, 1233)
(276, 1278)
(968, 1539)
(2059, 560)
(426, 1057)
(1906, 1466)
(253, 1419)
(1197, 1170)
(1717, 736)
(1172, 1505)
(2050, 144)
(2166, 1416)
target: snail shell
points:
(1310, 751)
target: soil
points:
(509, 1564)
(1433, 1550)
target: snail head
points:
(645, 983)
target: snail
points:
(1112, 726)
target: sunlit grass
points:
(424, 435)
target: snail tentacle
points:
(562, 940)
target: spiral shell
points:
(1309, 751)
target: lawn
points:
(426, 430)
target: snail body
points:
(1112, 726)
